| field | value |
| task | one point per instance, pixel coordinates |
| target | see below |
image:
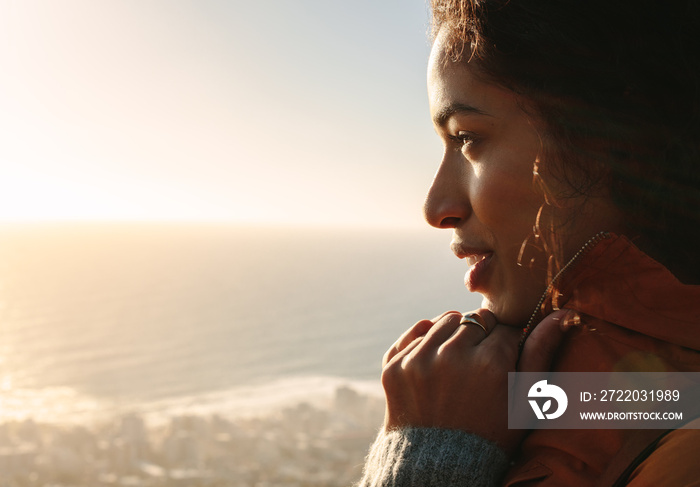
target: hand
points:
(447, 375)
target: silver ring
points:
(469, 319)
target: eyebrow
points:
(444, 114)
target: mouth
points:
(473, 255)
(476, 276)
(475, 259)
(478, 260)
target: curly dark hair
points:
(616, 84)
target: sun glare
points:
(178, 121)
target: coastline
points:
(317, 436)
(181, 355)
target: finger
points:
(464, 339)
(486, 318)
(393, 373)
(419, 329)
(502, 344)
(540, 347)
(442, 330)
(479, 324)
(450, 312)
(470, 333)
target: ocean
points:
(156, 321)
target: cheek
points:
(506, 203)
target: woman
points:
(571, 182)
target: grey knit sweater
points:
(431, 457)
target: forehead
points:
(438, 53)
(454, 84)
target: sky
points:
(283, 111)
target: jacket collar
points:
(618, 283)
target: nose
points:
(447, 202)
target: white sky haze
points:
(288, 111)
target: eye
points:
(465, 138)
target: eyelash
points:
(465, 138)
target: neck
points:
(538, 311)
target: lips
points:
(478, 260)
(475, 278)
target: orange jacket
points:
(636, 316)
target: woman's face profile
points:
(484, 191)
